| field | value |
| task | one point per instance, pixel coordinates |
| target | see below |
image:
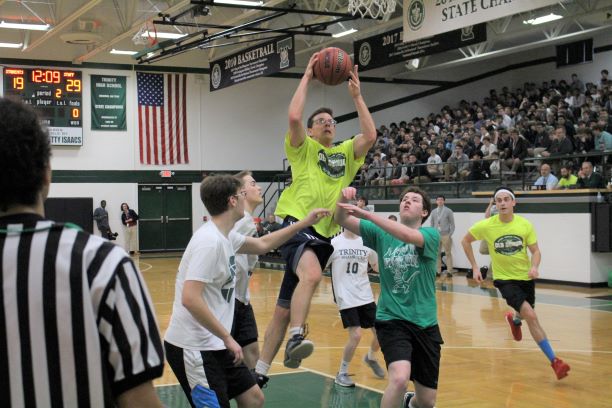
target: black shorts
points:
(244, 329)
(292, 251)
(361, 316)
(516, 292)
(214, 370)
(401, 340)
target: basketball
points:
(333, 67)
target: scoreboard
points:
(57, 97)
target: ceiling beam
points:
(65, 22)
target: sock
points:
(262, 368)
(546, 349)
(295, 330)
(343, 367)
(371, 355)
(516, 319)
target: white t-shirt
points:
(209, 258)
(245, 263)
(349, 265)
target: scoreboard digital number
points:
(57, 97)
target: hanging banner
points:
(108, 102)
(388, 48)
(260, 60)
(424, 18)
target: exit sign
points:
(166, 173)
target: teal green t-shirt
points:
(407, 275)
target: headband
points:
(503, 190)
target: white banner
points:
(424, 18)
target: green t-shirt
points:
(407, 275)
(507, 242)
(318, 176)
(566, 182)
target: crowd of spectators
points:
(492, 138)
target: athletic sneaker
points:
(560, 367)
(297, 349)
(344, 380)
(516, 328)
(260, 379)
(407, 397)
(376, 368)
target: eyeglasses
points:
(330, 122)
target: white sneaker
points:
(344, 380)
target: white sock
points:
(262, 368)
(295, 330)
(371, 355)
(343, 367)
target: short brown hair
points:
(424, 198)
(216, 190)
(315, 113)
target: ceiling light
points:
(543, 19)
(343, 33)
(24, 26)
(240, 2)
(10, 45)
(159, 34)
(123, 52)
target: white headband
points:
(503, 190)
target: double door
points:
(165, 222)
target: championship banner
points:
(424, 18)
(108, 102)
(260, 60)
(388, 48)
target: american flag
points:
(162, 118)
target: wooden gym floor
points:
(482, 366)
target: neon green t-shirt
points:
(318, 176)
(407, 275)
(507, 244)
(566, 182)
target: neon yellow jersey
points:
(318, 176)
(507, 244)
(566, 182)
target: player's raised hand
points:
(354, 210)
(349, 193)
(315, 215)
(309, 73)
(354, 85)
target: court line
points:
(445, 347)
(144, 263)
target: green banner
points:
(108, 102)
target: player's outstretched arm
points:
(364, 141)
(265, 244)
(466, 243)
(296, 106)
(341, 216)
(194, 302)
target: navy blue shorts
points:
(292, 251)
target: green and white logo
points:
(508, 245)
(365, 54)
(333, 165)
(416, 14)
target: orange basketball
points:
(333, 66)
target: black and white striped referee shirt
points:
(77, 327)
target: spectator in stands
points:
(422, 154)
(478, 169)
(577, 84)
(517, 152)
(496, 166)
(547, 180)
(567, 179)
(584, 141)
(443, 219)
(487, 147)
(362, 202)
(435, 167)
(603, 139)
(458, 165)
(604, 121)
(271, 225)
(587, 178)
(603, 81)
(415, 171)
(374, 169)
(442, 151)
(561, 145)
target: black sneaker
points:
(297, 349)
(260, 379)
(407, 397)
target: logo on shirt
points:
(227, 291)
(401, 261)
(508, 245)
(333, 165)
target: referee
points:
(77, 328)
